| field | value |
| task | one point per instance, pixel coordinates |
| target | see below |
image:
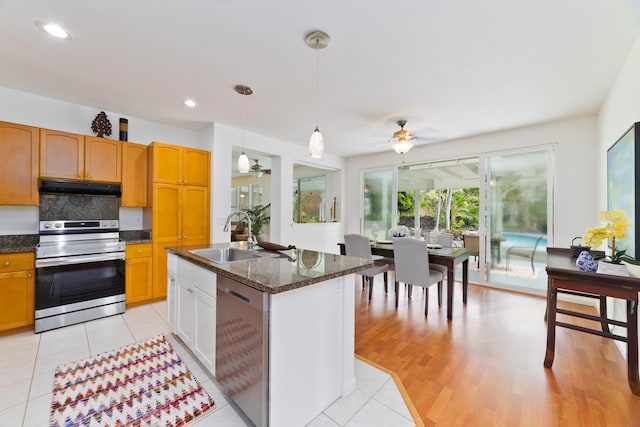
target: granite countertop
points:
(133, 237)
(18, 243)
(15, 243)
(280, 271)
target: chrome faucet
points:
(250, 241)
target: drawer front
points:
(200, 277)
(17, 262)
(139, 250)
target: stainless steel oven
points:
(80, 272)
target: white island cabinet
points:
(191, 296)
(293, 317)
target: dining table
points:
(446, 256)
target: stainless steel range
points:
(79, 272)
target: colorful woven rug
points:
(145, 383)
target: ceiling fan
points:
(257, 170)
(403, 140)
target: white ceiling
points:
(451, 68)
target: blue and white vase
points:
(585, 262)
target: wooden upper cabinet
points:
(65, 155)
(167, 163)
(195, 167)
(61, 155)
(102, 159)
(19, 159)
(134, 175)
(172, 164)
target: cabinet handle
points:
(139, 251)
(128, 262)
(184, 237)
(6, 263)
(29, 275)
(185, 181)
(88, 176)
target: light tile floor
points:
(28, 362)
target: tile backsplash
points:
(74, 207)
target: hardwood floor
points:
(485, 367)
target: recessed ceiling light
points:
(190, 103)
(54, 30)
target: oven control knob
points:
(113, 223)
(47, 225)
(58, 225)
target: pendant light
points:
(243, 160)
(317, 40)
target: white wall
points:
(284, 155)
(620, 110)
(575, 141)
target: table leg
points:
(465, 280)
(603, 313)
(632, 346)
(552, 298)
(450, 278)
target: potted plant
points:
(259, 218)
(616, 227)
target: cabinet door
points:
(185, 315)
(19, 157)
(166, 163)
(61, 155)
(138, 280)
(195, 167)
(17, 302)
(195, 215)
(102, 159)
(166, 231)
(134, 175)
(172, 299)
(205, 330)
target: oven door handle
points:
(78, 259)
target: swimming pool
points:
(523, 239)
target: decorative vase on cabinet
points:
(585, 262)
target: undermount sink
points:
(225, 255)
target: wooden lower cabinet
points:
(139, 273)
(17, 287)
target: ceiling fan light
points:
(243, 163)
(402, 146)
(316, 144)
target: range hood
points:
(48, 186)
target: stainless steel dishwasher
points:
(242, 347)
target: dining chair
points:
(528, 252)
(412, 267)
(472, 242)
(357, 245)
(443, 239)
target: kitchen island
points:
(276, 331)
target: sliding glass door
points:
(497, 205)
(517, 206)
(378, 203)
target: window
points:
(309, 199)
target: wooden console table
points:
(564, 277)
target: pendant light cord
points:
(317, 80)
(244, 115)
